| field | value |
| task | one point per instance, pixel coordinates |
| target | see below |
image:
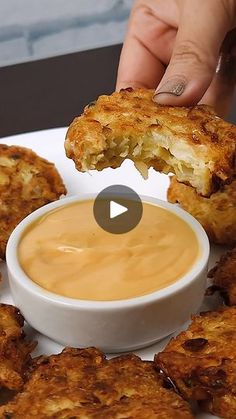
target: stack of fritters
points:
(27, 182)
(14, 350)
(193, 143)
(201, 362)
(82, 383)
(217, 214)
(224, 277)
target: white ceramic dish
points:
(49, 144)
(113, 326)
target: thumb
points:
(195, 55)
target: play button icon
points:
(117, 209)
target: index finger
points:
(138, 67)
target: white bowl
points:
(112, 326)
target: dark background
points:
(49, 93)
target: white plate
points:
(50, 144)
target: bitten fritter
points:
(27, 182)
(82, 383)
(194, 143)
(14, 350)
(201, 362)
(224, 277)
(217, 214)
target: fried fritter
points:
(224, 277)
(82, 383)
(14, 350)
(217, 214)
(27, 182)
(193, 143)
(201, 361)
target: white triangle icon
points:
(116, 209)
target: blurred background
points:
(34, 29)
(52, 60)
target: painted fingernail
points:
(171, 87)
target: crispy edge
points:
(217, 214)
(98, 397)
(14, 349)
(19, 208)
(223, 275)
(198, 371)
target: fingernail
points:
(171, 87)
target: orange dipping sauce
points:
(67, 253)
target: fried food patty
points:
(193, 143)
(14, 350)
(82, 383)
(217, 214)
(27, 182)
(224, 277)
(201, 361)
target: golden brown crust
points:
(217, 214)
(202, 361)
(14, 350)
(27, 182)
(82, 383)
(224, 277)
(193, 142)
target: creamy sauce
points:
(67, 253)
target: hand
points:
(186, 49)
